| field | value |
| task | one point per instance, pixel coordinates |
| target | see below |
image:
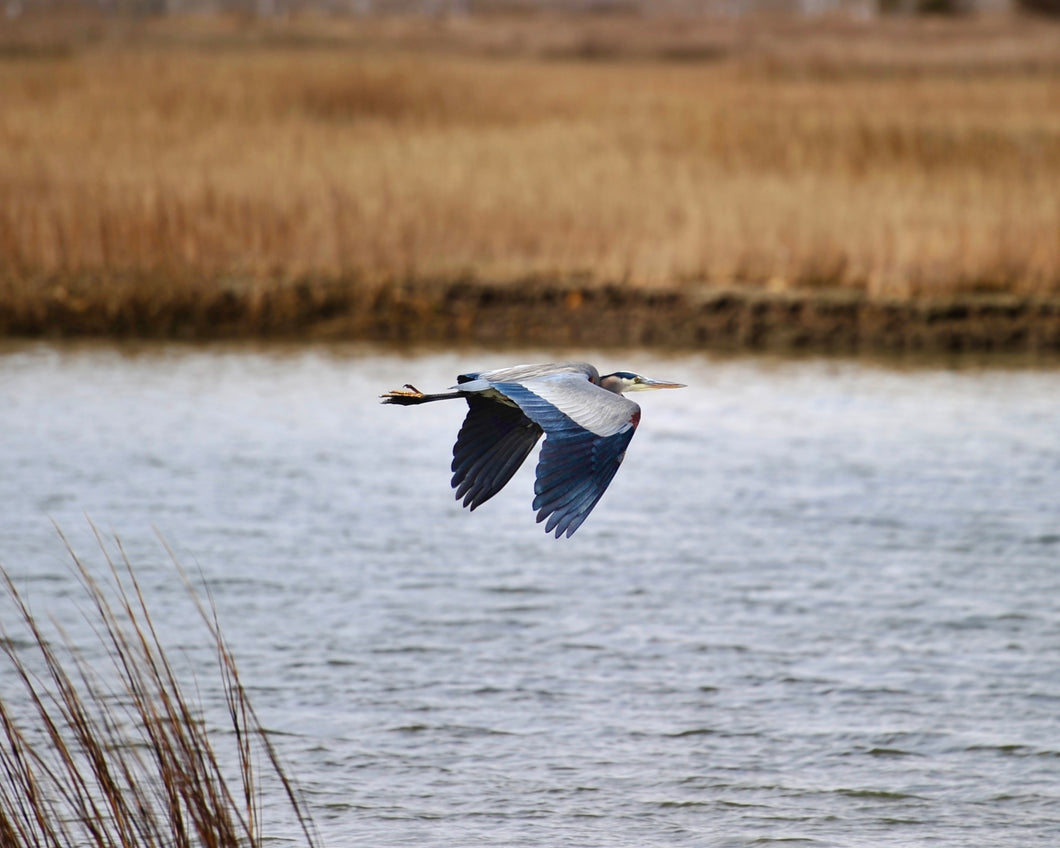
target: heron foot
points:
(409, 391)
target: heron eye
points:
(638, 379)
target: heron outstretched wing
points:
(493, 442)
(587, 430)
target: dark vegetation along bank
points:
(542, 313)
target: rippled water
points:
(820, 602)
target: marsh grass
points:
(169, 160)
(113, 751)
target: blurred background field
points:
(222, 158)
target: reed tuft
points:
(113, 752)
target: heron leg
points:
(411, 395)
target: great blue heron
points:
(586, 422)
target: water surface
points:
(819, 603)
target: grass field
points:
(160, 157)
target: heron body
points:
(586, 421)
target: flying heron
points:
(586, 422)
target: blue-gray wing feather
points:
(576, 465)
(568, 491)
(493, 442)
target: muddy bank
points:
(537, 313)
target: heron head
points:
(626, 381)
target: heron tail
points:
(410, 395)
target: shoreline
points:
(546, 313)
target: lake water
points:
(819, 603)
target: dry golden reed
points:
(100, 745)
(896, 158)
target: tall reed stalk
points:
(113, 752)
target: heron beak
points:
(660, 384)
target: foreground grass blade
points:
(105, 748)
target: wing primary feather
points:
(558, 500)
(477, 490)
(563, 514)
(572, 475)
(556, 472)
(485, 485)
(573, 517)
(493, 442)
(470, 471)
